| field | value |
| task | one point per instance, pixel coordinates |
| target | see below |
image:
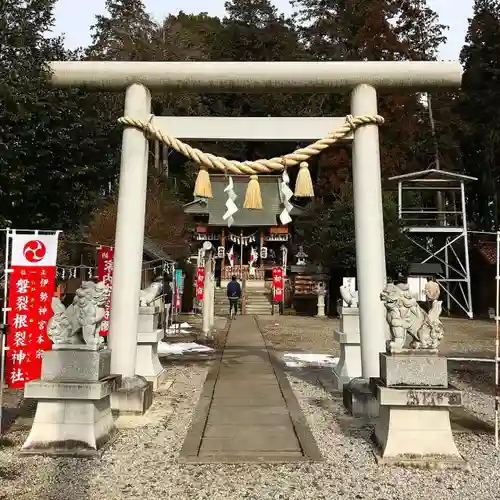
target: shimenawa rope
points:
(258, 166)
(277, 164)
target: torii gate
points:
(360, 78)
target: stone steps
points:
(257, 301)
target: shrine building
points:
(256, 241)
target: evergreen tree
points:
(477, 106)
(54, 155)
(327, 233)
(374, 30)
(418, 29)
(258, 32)
(124, 33)
(377, 30)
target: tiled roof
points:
(216, 207)
(154, 251)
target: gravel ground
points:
(142, 461)
(463, 338)
(300, 334)
(468, 338)
(350, 471)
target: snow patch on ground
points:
(174, 330)
(179, 328)
(167, 349)
(299, 360)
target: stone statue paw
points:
(395, 345)
(416, 345)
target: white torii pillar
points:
(369, 231)
(133, 395)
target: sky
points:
(74, 17)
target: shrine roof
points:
(432, 175)
(215, 208)
(154, 251)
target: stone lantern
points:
(321, 281)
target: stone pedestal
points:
(149, 319)
(73, 415)
(358, 399)
(148, 364)
(414, 421)
(134, 396)
(349, 319)
(349, 365)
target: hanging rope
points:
(249, 167)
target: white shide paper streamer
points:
(230, 204)
(286, 194)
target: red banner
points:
(30, 297)
(32, 281)
(105, 266)
(200, 283)
(278, 284)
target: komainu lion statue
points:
(149, 294)
(81, 322)
(405, 316)
(350, 297)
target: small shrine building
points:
(256, 241)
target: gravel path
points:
(142, 461)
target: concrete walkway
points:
(247, 411)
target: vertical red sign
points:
(32, 281)
(200, 283)
(277, 284)
(105, 266)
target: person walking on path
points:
(218, 273)
(234, 295)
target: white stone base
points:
(147, 363)
(414, 426)
(349, 365)
(71, 418)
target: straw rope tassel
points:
(253, 197)
(303, 185)
(203, 186)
